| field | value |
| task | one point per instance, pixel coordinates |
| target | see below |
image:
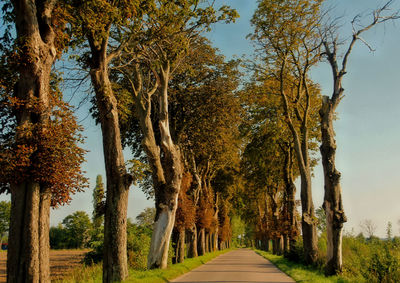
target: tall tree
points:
(333, 205)
(287, 35)
(98, 203)
(155, 55)
(77, 227)
(38, 155)
(96, 22)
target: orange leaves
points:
(45, 152)
(186, 212)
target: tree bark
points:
(28, 250)
(44, 235)
(301, 139)
(167, 176)
(207, 241)
(290, 192)
(115, 264)
(202, 241)
(335, 216)
(181, 246)
(192, 249)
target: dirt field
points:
(61, 261)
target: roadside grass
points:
(84, 274)
(93, 274)
(300, 272)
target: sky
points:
(367, 129)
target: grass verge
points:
(174, 271)
(93, 274)
(300, 272)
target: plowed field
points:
(61, 261)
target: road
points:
(241, 265)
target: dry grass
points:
(61, 263)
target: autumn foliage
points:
(47, 153)
(186, 211)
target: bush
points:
(138, 244)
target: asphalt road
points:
(241, 265)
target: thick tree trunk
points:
(192, 249)
(23, 248)
(28, 250)
(333, 205)
(202, 241)
(310, 238)
(167, 183)
(44, 235)
(115, 264)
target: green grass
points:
(93, 274)
(300, 272)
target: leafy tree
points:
(58, 237)
(98, 203)
(39, 156)
(94, 23)
(185, 216)
(77, 227)
(146, 217)
(5, 208)
(286, 33)
(169, 29)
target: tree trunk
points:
(310, 238)
(290, 192)
(207, 240)
(192, 249)
(44, 235)
(286, 247)
(115, 264)
(333, 205)
(181, 244)
(23, 245)
(202, 241)
(28, 250)
(301, 139)
(167, 183)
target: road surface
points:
(241, 265)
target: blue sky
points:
(367, 131)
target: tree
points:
(287, 35)
(96, 22)
(168, 30)
(185, 216)
(368, 227)
(39, 156)
(98, 203)
(5, 208)
(77, 227)
(146, 217)
(335, 216)
(58, 237)
(320, 214)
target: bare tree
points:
(333, 205)
(368, 227)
